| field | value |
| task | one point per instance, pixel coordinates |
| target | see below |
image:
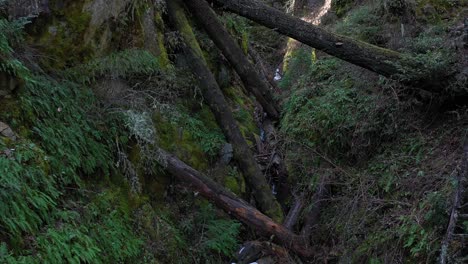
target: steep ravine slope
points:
(88, 88)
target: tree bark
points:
(382, 61)
(233, 52)
(294, 213)
(216, 101)
(233, 205)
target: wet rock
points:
(7, 132)
(226, 153)
(103, 12)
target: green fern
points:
(59, 114)
(221, 236)
(123, 64)
(27, 194)
(11, 35)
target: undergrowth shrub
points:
(364, 23)
(42, 222)
(122, 64)
(100, 232)
(426, 55)
(219, 235)
(110, 224)
(28, 194)
(210, 139)
(421, 236)
(397, 201)
(341, 7)
(11, 35)
(61, 116)
(298, 62)
(332, 114)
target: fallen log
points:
(235, 55)
(383, 61)
(294, 213)
(233, 205)
(215, 99)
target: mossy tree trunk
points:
(234, 206)
(216, 101)
(386, 62)
(233, 52)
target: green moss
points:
(341, 7)
(184, 27)
(234, 181)
(179, 141)
(434, 10)
(162, 56)
(243, 113)
(61, 37)
(9, 109)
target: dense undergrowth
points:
(372, 140)
(82, 183)
(63, 198)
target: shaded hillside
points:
(148, 131)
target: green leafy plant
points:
(221, 236)
(59, 114)
(419, 236)
(11, 35)
(363, 23)
(27, 193)
(123, 64)
(207, 134)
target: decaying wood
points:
(294, 213)
(233, 205)
(386, 62)
(215, 99)
(235, 55)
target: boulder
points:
(6, 131)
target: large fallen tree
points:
(386, 62)
(215, 99)
(233, 205)
(233, 52)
